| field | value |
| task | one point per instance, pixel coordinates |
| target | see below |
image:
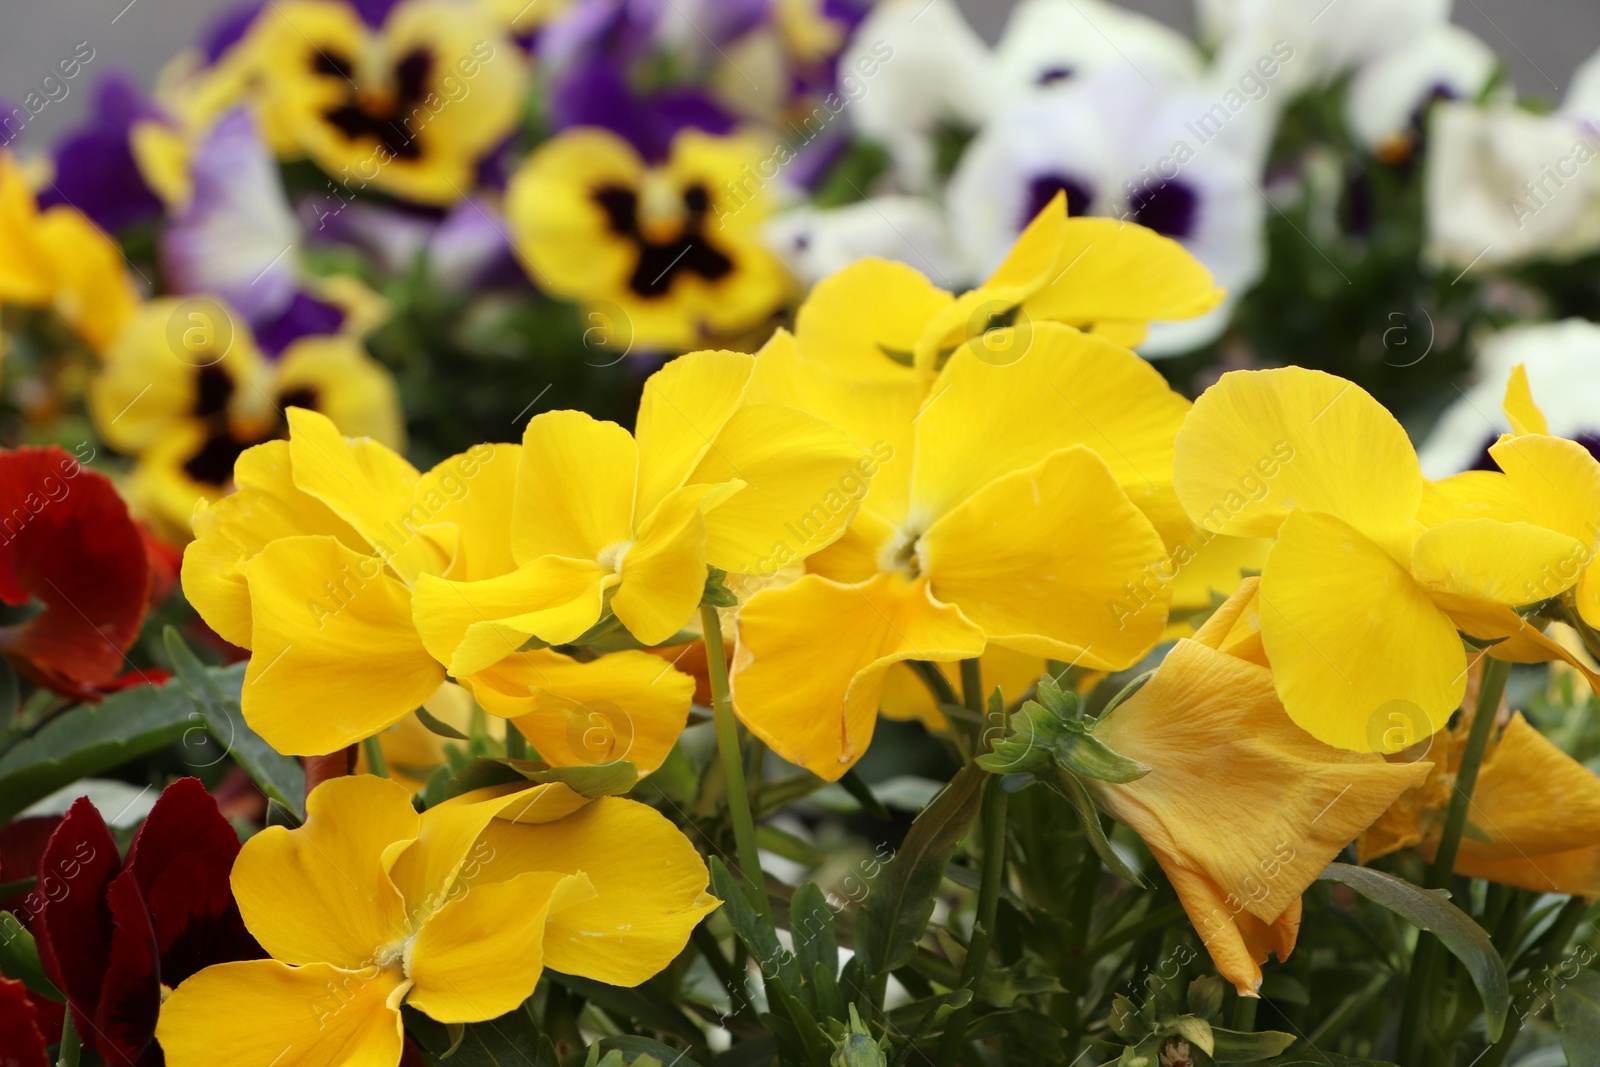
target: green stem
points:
(516, 744)
(1243, 1015)
(744, 826)
(938, 685)
(1426, 960)
(972, 686)
(376, 763)
(70, 1044)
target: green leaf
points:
(281, 778)
(897, 911)
(1577, 1010)
(783, 843)
(633, 1047)
(1205, 996)
(90, 739)
(716, 593)
(512, 1040)
(1194, 1030)
(1085, 755)
(19, 958)
(438, 726)
(816, 946)
(599, 780)
(778, 965)
(642, 1004)
(1069, 786)
(1233, 1046)
(1433, 912)
(10, 691)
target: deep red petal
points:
(22, 844)
(130, 996)
(22, 1042)
(66, 541)
(181, 859)
(165, 562)
(73, 927)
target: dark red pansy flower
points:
(68, 545)
(112, 932)
(22, 1043)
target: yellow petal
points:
(481, 955)
(1472, 495)
(474, 491)
(1042, 561)
(664, 572)
(1353, 639)
(649, 887)
(864, 321)
(575, 487)
(1259, 444)
(684, 406)
(262, 1012)
(983, 420)
(93, 289)
(905, 696)
(1109, 270)
(808, 672)
(624, 706)
(1523, 780)
(1520, 408)
(25, 270)
(335, 656)
(264, 507)
(1510, 563)
(321, 893)
(471, 625)
(790, 463)
(354, 391)
(1559, 480)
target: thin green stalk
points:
(744, 826)
(1426, 960)
(938, 685)
(71, 1046)
(516, 744)
(376, 763)
(1243, 1015)
(972, 685)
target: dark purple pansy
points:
(123, 928)
(1169, 208)
(95, 168)
(305, 316)
(1044, 188)
(598, 94)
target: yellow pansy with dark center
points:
(690, 252)
(380, 115)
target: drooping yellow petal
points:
(864, 321)
(1520, 408)
(1042, 559)
(808, 672)
(575, 486)
(1559, 480)
(663, 573)
(263, 1012)
(265, 506)
(1524, 779)
(336, 658)
(982, 421)
(1241, 807)
(1259, 444)
(649, 887)
(1511, 563)
(482, 953)
(683, 408)
(321, 893)
(470, 625)
(1352, 637)
(623, 706)
(474, 490)
(790, 463)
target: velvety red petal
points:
(67, 542)
(22, 844)
(22, 1042)
(73, 927)
(130, 996)
(181, 859)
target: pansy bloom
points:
(1241, 808)
(67, 543)
(677, 247)
(409, 108)
(312, 565)
(1373, 574)
(128, 929)
(455, 912)
(187, 388)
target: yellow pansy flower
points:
(608, 521)
(676, 248)
(456, 912)
(880, 320)
(1002, 509)
(1241, 808)
(186, 390)
(409, 109)
(57, 258)
(1361, 598)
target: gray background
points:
(1541, 40)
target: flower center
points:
(396, 954)
(610, 557)
(902, 552)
